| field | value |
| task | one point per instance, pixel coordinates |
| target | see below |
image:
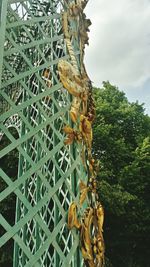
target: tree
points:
(138, 220)
(120, 135)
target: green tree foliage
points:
(122, 144)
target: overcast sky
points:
(119, 49)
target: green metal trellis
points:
(35, 103)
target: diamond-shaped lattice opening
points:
(57, 24)
(36, 8)
(55, 105)
(63, 159)
(6, 74)
(2, 230)
(55, 75)
(47, 56)
(4, 106)
(2, 183)
(47, 103)
(49, 141)
(36, 188)
(43, 190)
(34, 115)
(22, 257)
(9, 132)
(13, 132)
(9, 167)
(58, 50)
(47, 135)
(64, 97)
(14, 93)
(6, 253)
(47, 171)
(32, 149)
(64, 240)
(58, 214)
(18, 10)
(30, 231)
(41, 237)
(7, 208)
(64, 196)
(22, 210)
(47, 258)
(20, 65)
(4, 140)
(47, 214)
(59, 259)
(34, 84)
(59, 125)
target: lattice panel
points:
(34, 102)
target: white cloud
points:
(119, 49)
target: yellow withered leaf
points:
(85, 254)
(85, 128)
(83, 195)
(69, 78)
(83, 192)
(83, 158)
(73, 115)
(74, 111)
(85, 235)
(85, 124)
(70, 135)
(67, 129)
(91, 165)
(72, 217)
(69, 140)
(100, 216)
(82, 185)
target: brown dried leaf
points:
(69, 140)
(83, 195)
(83, 192)
(72, 217)
(82, 185)
(100, 216)
(67, 129)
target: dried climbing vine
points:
(82, 113)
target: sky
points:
(119, 46)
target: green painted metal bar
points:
(48, 170)
(18, 202)
(33, 20)
(18, 182)
(49, 240)
(30, 134)
(67, 174)
(16, 1)
(72, 252)
(32, 44)
(28, 205)
(30, 72)
(28, 173)
(30, 214)
(16, 237)
(32, 100)
(38, 183)
(3, 16)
